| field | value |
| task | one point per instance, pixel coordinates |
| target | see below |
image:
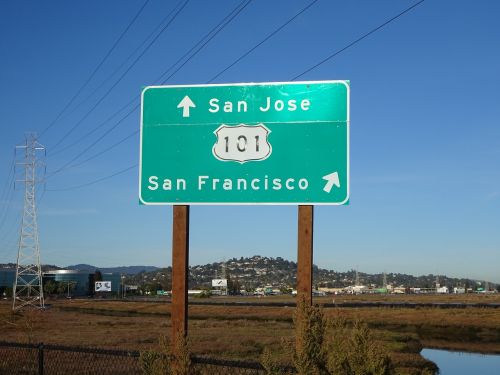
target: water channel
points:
(461, 363)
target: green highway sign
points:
(248, 143)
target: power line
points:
(10, 249)
(306, 71)
(96, 68)
(9, 204)
(66, 165)
(235, 12)
(224, 23)
(40, 198)
(358, 40)
(176, 10)
(8, 191)
(98, 180)
(10, 176)
(221, 25)
(269, 36)
(68, 133)
(92, 131)
(10, 231)
(80, 139)
(116, 144)
(132, 54)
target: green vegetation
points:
(309, 356)
(171, 359)
(52, 288)
(331, 347)
(244, 332)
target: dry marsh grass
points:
(242, 332)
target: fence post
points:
(40, 358)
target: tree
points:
(97, 275)
(366, 355)
(331, 347)
(310, 326)
(93, 277)
(233, 287)
(61, 287)
(285, 290)
(50, 287)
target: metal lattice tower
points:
(28, 290)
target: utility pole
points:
(28, 288)
(123, 286)
(224, 273)
(69, 284)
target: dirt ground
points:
(242, 332)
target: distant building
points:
(7, 277)
(331, 290)
(356, 289)
(442, 290)
(81, 283)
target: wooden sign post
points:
(305, 253)
(180, 271)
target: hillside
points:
(126, 270)
(45, 267)
(258, 271)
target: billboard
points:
(103, 286)
(219, 282)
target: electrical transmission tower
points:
(28, 289)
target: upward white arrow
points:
(331, 179)
(186, 104)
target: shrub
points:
(354, 351)
(157, 363)
(149, 362)
(310, 327)
(337, 361)
(269, 362)
(332, 347)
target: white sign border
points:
(344, 82)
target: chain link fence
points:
(40, 359)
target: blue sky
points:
(425, 140)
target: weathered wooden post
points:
(180, 271)
(305, 253)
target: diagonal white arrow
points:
(331, 179)
(186, 104)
